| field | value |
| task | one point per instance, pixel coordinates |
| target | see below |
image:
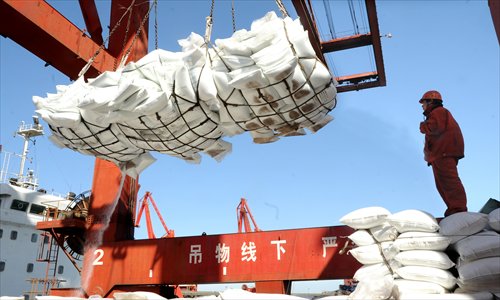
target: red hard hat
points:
(430, 95)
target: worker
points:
(444, 146)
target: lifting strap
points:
(209, 23)
(138, 32)
(282, 8)
(118, 24)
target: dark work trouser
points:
(449, 185)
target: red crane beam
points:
(494, 6)
(42, 30)
(354, 81)
(91, 18)
(264, 256)
(371, 9)
(307, 20)
(106, 182)
(347, 42)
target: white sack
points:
(480, 245)
(422, 241)
(494, 219)
(405, 287)
(366, 217)
(460, 225)
(376, 253)
(384, 232)
(413, 220)
(361, 237)
(378, 270)
(425, 258)
(375, 288)
(480, 275)
(439, 276)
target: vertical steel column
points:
(106, 175)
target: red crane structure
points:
(121, 263)
(144, 208)
(244, 216)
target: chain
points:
(156, 23)
(146, 17)
(91, 60)
(125, 35)
(212, 8)
(209, 23)
(232, 14)
(282, 8)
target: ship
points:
(31, 262)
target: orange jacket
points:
(443, 137)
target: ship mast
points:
(27, 132)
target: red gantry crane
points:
(144, 208)
(244, 216)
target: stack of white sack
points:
(375, 249)
(267, 81)
(401, 253)
(476, 246)
(425, 267)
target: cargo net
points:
(266, 81)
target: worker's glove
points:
(422, 127)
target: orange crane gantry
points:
(144, 208)
(244, 216)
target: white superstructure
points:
(29, 262)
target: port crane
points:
(244, 216)
(298, 254)
(144, 209)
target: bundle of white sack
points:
(267, 81)
(402, 254)
(476, 248)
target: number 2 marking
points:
(100, 254)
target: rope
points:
(233, 17)
(91, 60)
(282, 8)
(209, 23)
(156, 23)
(328, 11)
(139, 30)
(353, 17)
(126, 33)
(381, 251)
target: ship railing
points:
(28, 127)
(56, 209)
(28, 181)
(41, 286)
(4, 174)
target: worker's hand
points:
(422, 127)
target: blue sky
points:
(369, 155)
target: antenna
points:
(27, 132)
